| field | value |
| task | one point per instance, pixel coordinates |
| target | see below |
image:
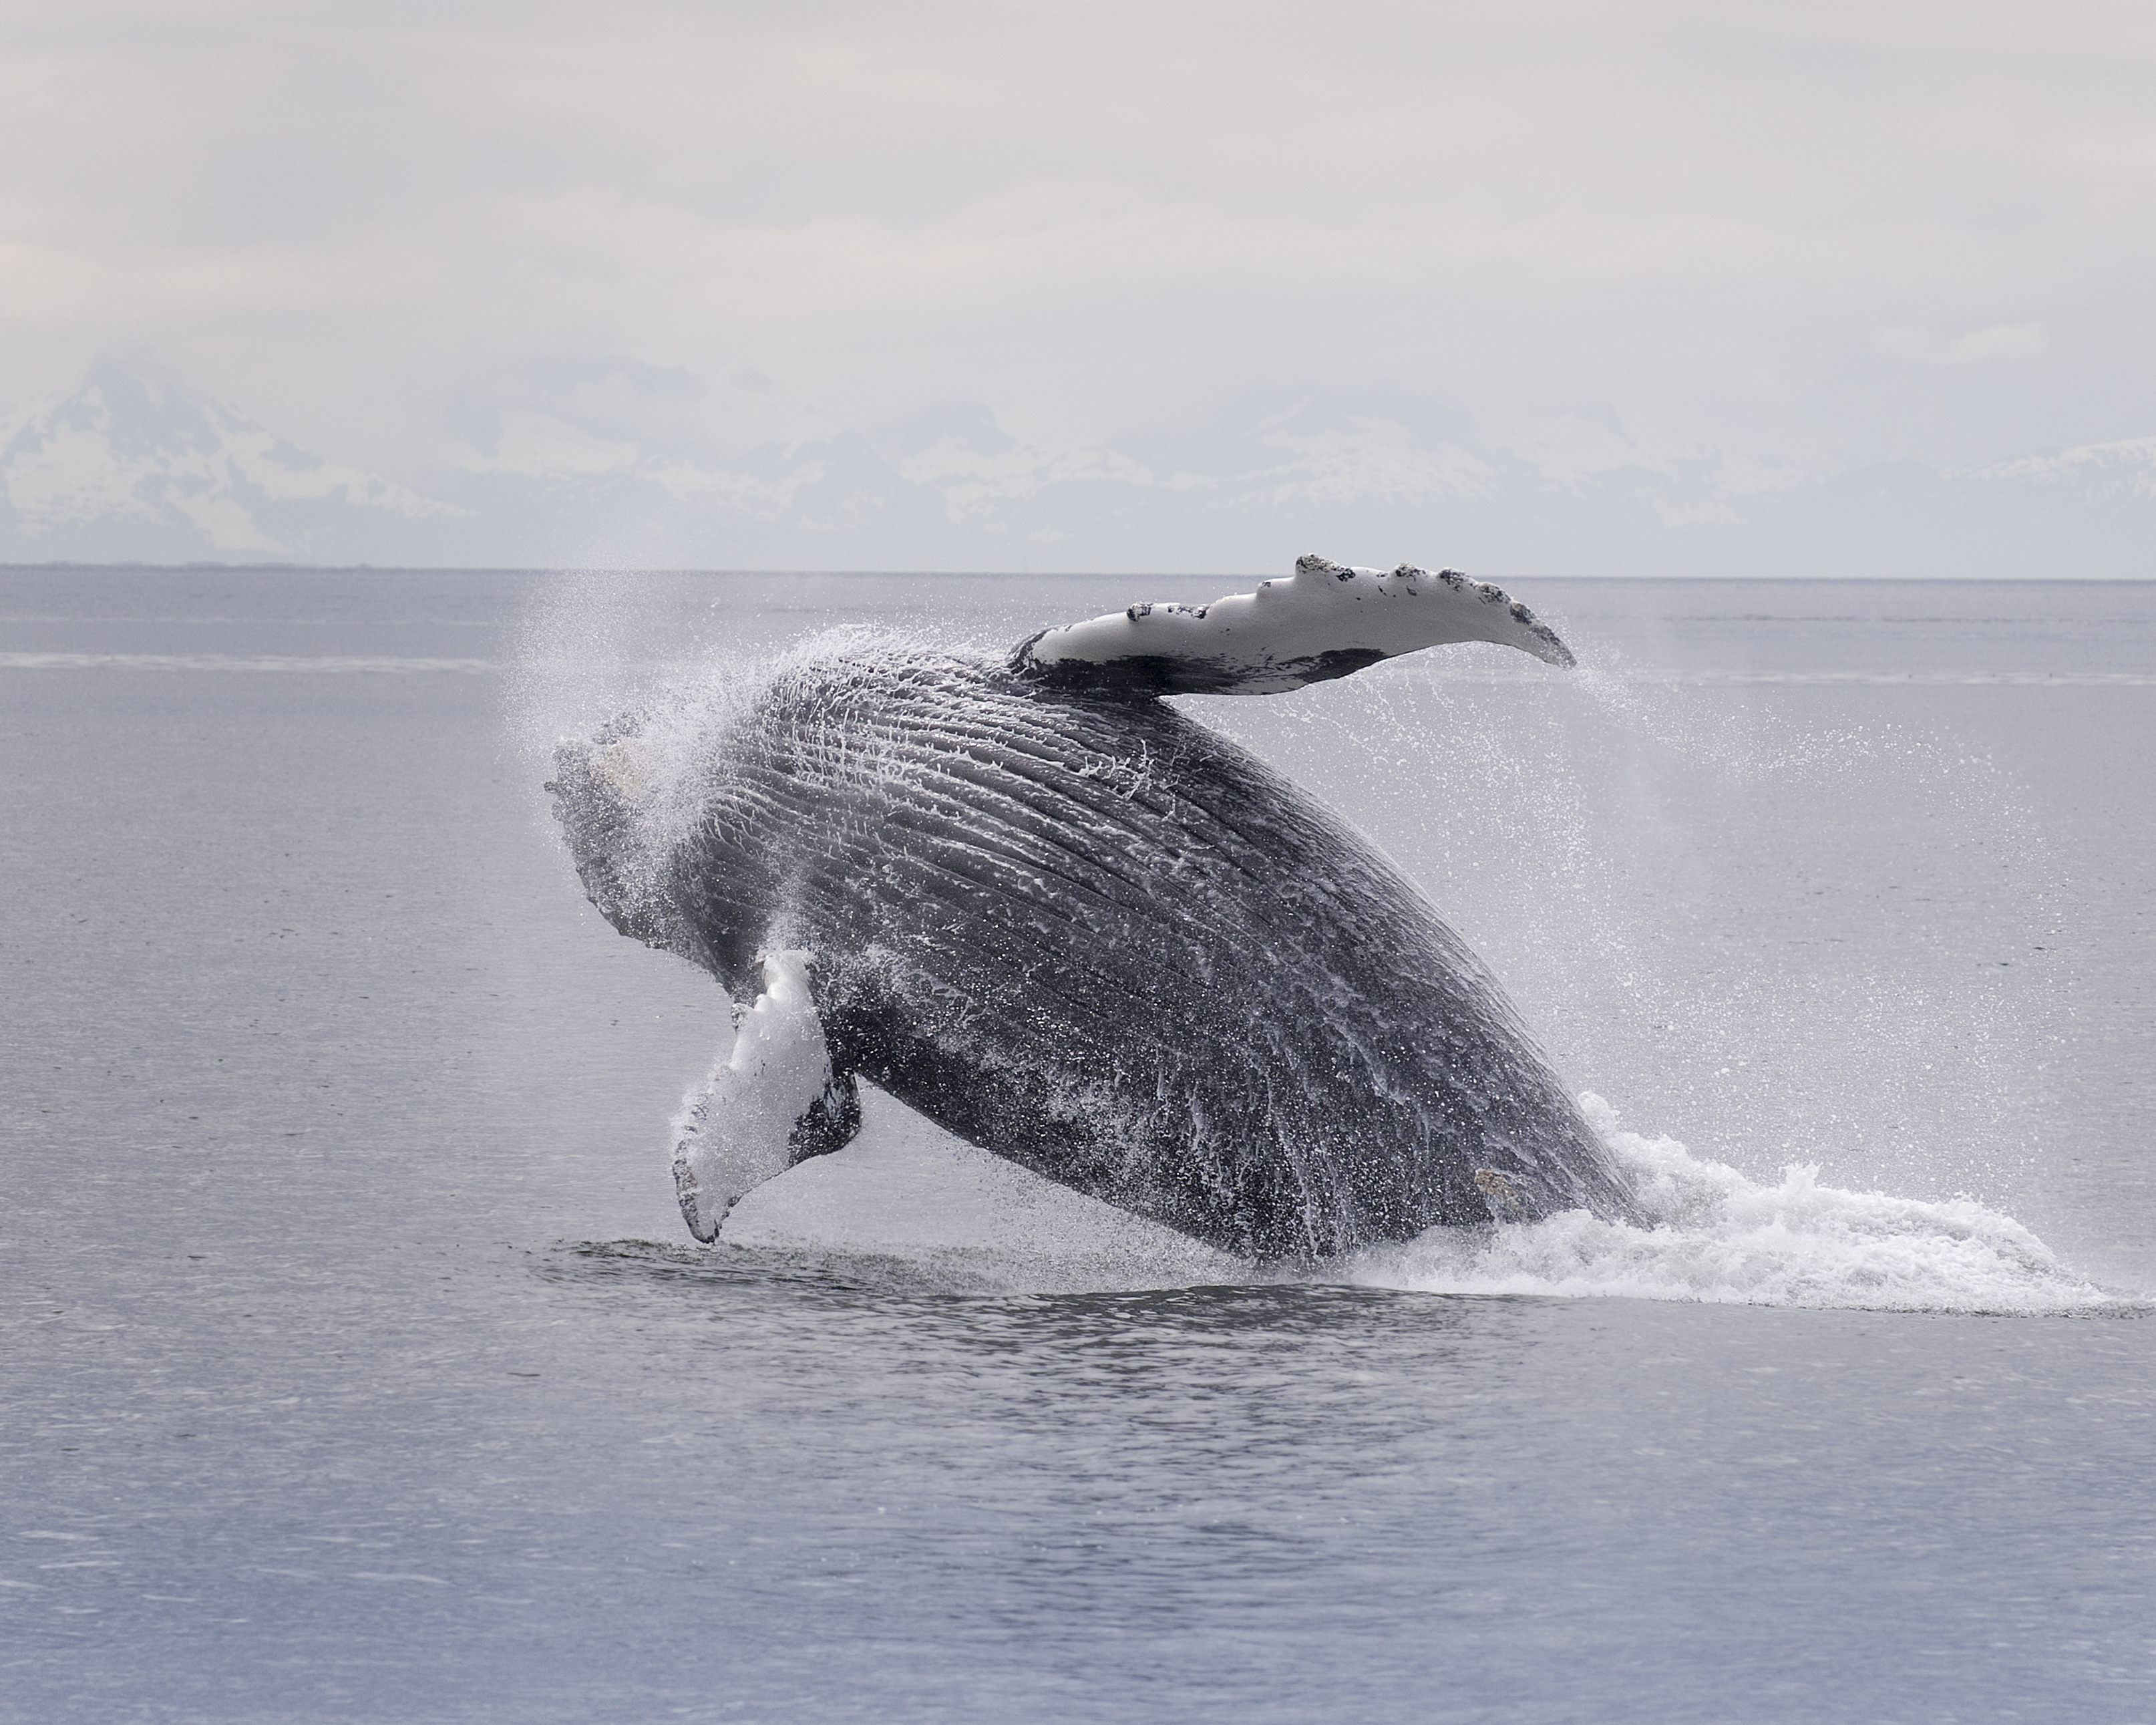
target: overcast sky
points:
(1803, 237)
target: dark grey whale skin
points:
(1094, 937)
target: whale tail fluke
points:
(1327, 621)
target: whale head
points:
(603, 788)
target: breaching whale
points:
(1077, 928)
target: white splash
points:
(1719, 1236)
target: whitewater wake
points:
(1719, 1236)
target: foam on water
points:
(1717, 1236)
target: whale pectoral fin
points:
(773, 1101)
(1327, 621)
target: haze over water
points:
(358, 1365)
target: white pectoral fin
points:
(746, 1123)
(1325, 622)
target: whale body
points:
(1075, 927)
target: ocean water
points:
(355, 1364)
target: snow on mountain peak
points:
(133, 458)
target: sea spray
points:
(1775, 927)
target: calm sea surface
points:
(355, 1364)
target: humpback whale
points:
(1076, 927)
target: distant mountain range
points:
(134, 467)
(129, 468)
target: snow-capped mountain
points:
(132, 466)
(2102, 471)
(135, 467)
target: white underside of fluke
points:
(1270, 641)
(734, 1130)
